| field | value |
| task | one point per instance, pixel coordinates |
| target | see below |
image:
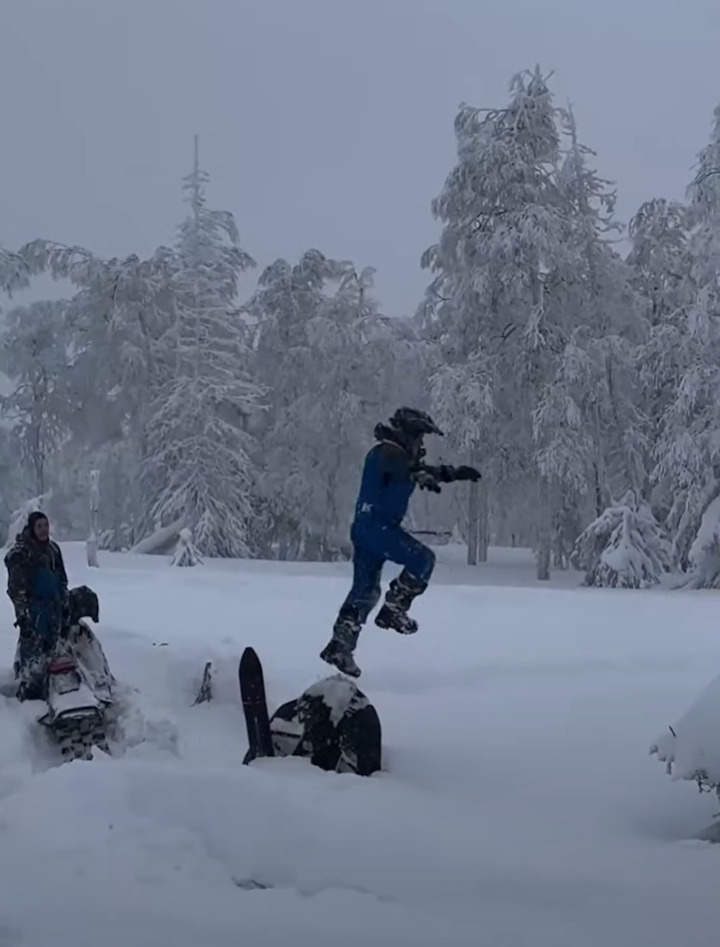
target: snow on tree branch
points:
(704, 554)
(625, 547)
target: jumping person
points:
(393, 468)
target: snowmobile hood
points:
(84, 603)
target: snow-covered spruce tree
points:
(198, 464)
(589, 433)
(625, 547)
(686, 358)
(34, 356)
(504, 235)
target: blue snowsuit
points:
(38, 589)
(377, 536)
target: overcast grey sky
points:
(324, 123)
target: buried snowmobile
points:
(78, 685)
(332, 723)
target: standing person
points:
(38, 589)
(392, 470)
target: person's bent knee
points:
(431, 560)
(426, 565)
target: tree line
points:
(581, 377)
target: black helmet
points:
(414, 422)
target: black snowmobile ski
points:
(205, 692)
(252, 692)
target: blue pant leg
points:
(400, 547)
(365, 592)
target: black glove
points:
(438, 473)
(444, 473)
(426, 481)
(467, 473)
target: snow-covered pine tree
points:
(34, 356)
(625, 547)
(287, 298)
(704, 554)
(661, 261)
(589, 434)
(660, 258)
(14, 272)
(199, 454)
(333, 365)
(688, 356)
(114, 321)
(186, 554)
(504, 234)
(11, 478)
(359, 370)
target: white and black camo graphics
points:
(79, 694)
(333, 724)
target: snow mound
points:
(691, 747)
(516, 805)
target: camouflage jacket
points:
(24, 559)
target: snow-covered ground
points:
(519, 806)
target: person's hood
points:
(27, 537)
(412, 446)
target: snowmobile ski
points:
(205, 692)
(252, 692)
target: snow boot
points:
(398, 599)
(31, 675)
(339, 650)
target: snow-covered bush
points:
(186, 554)
(690, 748)
(625, 547)
(704, 556)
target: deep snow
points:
(519, 805)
